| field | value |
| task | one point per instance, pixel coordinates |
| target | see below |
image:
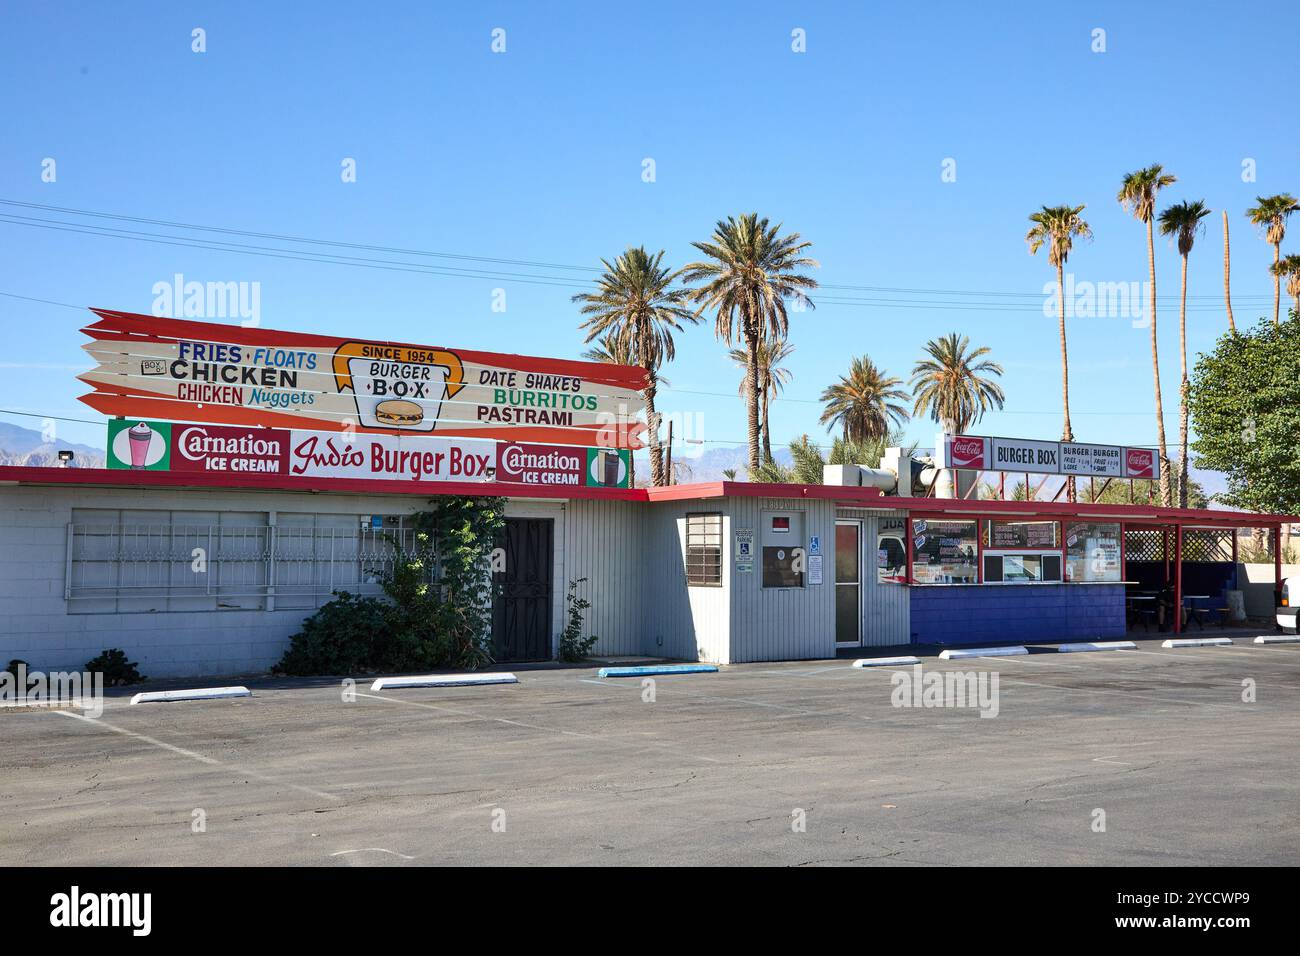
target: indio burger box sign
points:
(178, 370)
(223, 449)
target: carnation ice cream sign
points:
(139, 445)
(529, 464)
(216, 448)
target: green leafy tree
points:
(749, 272)
(1245, 397)
(1181, 222)
(635, 311)
(1137, 194)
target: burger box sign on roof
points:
(177, 370)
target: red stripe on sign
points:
(125, 326)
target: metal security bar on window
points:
(299, 562)
(704, 550)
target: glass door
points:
(848, 583)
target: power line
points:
(282, 237)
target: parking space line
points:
(201, 758)
(639, 744)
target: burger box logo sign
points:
(178, 370)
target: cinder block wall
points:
(35, 623)
(995, 614)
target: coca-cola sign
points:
(967, 452)
(1139, 463)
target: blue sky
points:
(536, 155)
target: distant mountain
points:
(709, 465)
(26, 446)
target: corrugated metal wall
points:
(782, 624)
(604, 543)
(886, 608)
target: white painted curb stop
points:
(1097, 646)
(197, 693)
(1278, 639)
(1199, 642)
(886, 661)
(443, 680)
(954, 655)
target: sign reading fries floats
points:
(178, 370)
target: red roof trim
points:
(125, 478)
(847, 496)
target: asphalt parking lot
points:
(566, 768)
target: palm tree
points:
(1289, 266)
(1056, 226)
(635, 313)
(954, 386)
(864, 402)
(1137, 194)
(1227, 274)
(1181, 222)
(1271, 215)
(772, 376)
(749, 272)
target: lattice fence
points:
(1204, 545)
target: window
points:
(138, 561)
(891, 551)
(704, 550)
(1092, 551)
(944, 552)
(1021, 568)
(1022, 535)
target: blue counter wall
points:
(992, 614)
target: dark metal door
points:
(521, 613)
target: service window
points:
(891, 551)
(1022, 535)
(1092, 551)
(704, 550)
(944, 552)
(783, 566)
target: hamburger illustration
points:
(398, 413)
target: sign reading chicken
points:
(181, 370)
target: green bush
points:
(573, 646)
(339, 638)
(117, 670)
(438, 611)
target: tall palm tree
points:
(1056, 227)
(1137, 194)
(1227, 274)
(1289, 266)
(635, 313)
(1181, 222)
(864, 402)
(955, 387)
(749, 272)
(772, 376)
(1271, 215)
